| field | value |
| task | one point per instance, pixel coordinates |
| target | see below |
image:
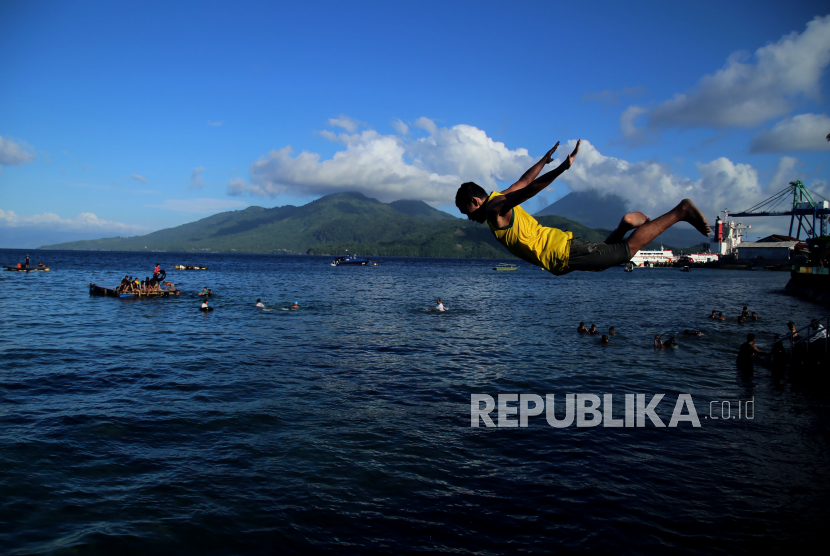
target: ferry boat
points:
(661, 257)
(349, 260)
(506, 266)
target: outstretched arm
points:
(533, 171)
(520, 192)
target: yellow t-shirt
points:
(532, 242)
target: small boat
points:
(189, 267)
(629, 266)
(101, 291)
(24, 269)
(506, 266)
(686, 268)
(349, 260)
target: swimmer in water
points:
(593, 329)
(714, 314)
(721, 317)
(604, 340)
(295, 306)
(205, 304)
(611, 331)
(658, 343)
(744, 312)
(260, 304)
(581, 328)
(204, 291)
(439, 306)
(753, 316)
(747, 353)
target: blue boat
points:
(349, 260)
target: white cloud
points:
(139, 178)
(196, 181)
(84, 222)
(389, 167)
(199, 206)
(746, 94)
(347, 123)
(215, 124)
(629, 128)
(805, 132)
(785, 173)
(15, 154)
(400, 127)
(652, 188)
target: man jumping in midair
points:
(553, 249)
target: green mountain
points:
(331, 225)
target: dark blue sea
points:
(145, 426)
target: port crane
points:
(812, 214)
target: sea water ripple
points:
(146, 426)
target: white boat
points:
(647, 258)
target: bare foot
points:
(693, 216)
(633, 220)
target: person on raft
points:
(555, 250)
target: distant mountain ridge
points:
(331, 225)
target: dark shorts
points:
(587, 255)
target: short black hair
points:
(467, 192)
(750, 337)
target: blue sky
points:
(124, 118)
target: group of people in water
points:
(743, 318)
(261, 305)
(605, 339)
(802, 352)
(777, 356)
(131, 284)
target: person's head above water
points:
(470, 200)
(750, 338)
(259, 300)
(611, 330)
(605, 339)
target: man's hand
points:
(549, 156)
(570, 159)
